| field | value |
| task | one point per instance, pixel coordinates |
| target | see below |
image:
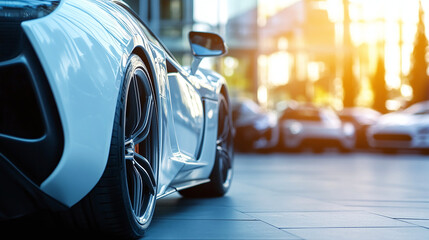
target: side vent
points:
(20, 115)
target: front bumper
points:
(31, 135)
(415, 142)
(322, 138)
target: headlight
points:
(26, 9)
(295, 128)
(261, 124)
(348, 129)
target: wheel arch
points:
(144, 56)
(224, 92)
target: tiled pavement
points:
(306, 196)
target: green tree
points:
(378, 84)
(418, 77)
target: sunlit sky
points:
(212, 12)
(372, 21)
(383, 20)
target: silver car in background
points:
(361, 118)
(407, 129)
(310, 126)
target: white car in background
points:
(407, 129)
(361, 118)
(309, 126)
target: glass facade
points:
(170, 20)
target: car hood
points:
(250, 120)
(403, 119)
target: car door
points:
(186, 104)
(188, 112)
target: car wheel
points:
(294, 150)
(424, 151)
(342, 148)
(221, 175)
(123, 201)
(390, 151)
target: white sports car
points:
(407, 129)
(98, 120)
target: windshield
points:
(304, 115)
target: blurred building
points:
(241, 33)
(282, 47)
(297, 52)
(294, 49)
(171, 21)
(267, 52)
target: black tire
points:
(123, 201)
(389, 151)
(280, 147)
(221, 175)
(424, 151)
(294, 149)
(343, 149)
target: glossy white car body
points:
(85, 49)
(75, 57)
(408, 129)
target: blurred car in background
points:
(315, 127)
(361, 118)
(407, 129)
(256, 129)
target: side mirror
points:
(204, 44)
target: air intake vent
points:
(20, 115)
(10, 39)
(12, 13)
(392, 137)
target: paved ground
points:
(307, 196)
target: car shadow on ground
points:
(308, 150)
(39, 225)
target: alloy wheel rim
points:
(139, 149)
